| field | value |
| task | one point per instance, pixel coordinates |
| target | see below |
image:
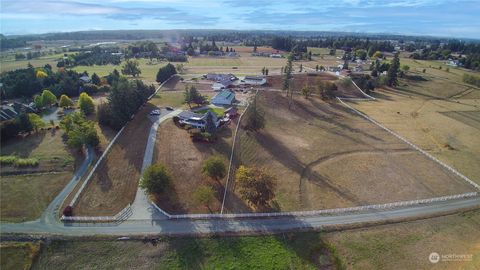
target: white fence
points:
(122, 215)
(323, 211)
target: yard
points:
(309, 148)
(114, 183)
(174, 148)
(18, 255)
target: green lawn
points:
(217, 110)
(289, 251)
(15, 255)
(172, 99)
(25, 197)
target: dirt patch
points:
(184, 159)
(339, 160)
(299, 80)
(175, 84)
(114, 183)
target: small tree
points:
(255, 185)
(131, 67)
(405, 68)
(204, 195)
(48, 98)
(306, 91)
(65, 101)
(214, 167)
(210, 126)
(36, 120)
(95, 79)
(156, 179)
(38, 102)
(85, 102)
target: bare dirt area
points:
(175, 84)
(325, 156)
(184, 158)
(114, 183)
(448, 129)
(299, 80)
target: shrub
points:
(8, 160)
(26, 162)
(85, 102)
(156, 179)
(68, 211)
(65, 101)
(204, 195)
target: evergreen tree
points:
(393, 71)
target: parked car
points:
(169, 108)
(155, 112)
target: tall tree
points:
(65, 101)
(96, 79)
(85, 102)
(393, 71)
(254, 116)
(156, 179)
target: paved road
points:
(188, 227)
(141, 207)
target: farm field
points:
(114, 183)
(409, 244)
(174, 148)
(18, 255)
(447, 129)
(309, 148)
(298, 251)
(25, 197)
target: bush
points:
(26, 162)
(204, 195)
(85, 102)
(156, 179)
(90, 88)
(8, 160)
(214, 167)
(68, 211)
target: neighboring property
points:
(10, 111)
(255, 80)
(7, 113)
(222, 81)
(224, 98)
(197, 120)
(85, 79)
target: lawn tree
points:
(65, 101)
(48, 98)
(131, 67)
(255, 185)
(266, 72)
(204, 195)
(193, 96)
(210, 126)
(288, 73)
(156, 179)
(80, 131)
(214, 167)
(345, 64)
(316, 68)
(393, 71)
(36, 121)
(187, 97)
(254, 116)
(263, 71)
(165, 72)
(95, 79)
(301, 67)
(180, 68)
(85, 103)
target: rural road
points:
(247, 225)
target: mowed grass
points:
(184, 159)
(288, 251)
(17, 255)
(114, 183)
(408, 245)
(324, 156)
(25, 197)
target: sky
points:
(445, 18)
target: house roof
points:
(190, 114)
(226, 94)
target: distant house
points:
(255, 80)
(226, 97)
(85, 79)
(197, 120)
(222, 81)
(7, 112)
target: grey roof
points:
(189, 114)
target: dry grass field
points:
(184, 159)
(445, 128)
(114, 183)
(25, 197)
(324, 156)
(407, 245)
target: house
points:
(197, 120)
(255, 80)
(231, 112)
(7, 112)
(226, 97)
(85, 79)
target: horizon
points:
(406, 17)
